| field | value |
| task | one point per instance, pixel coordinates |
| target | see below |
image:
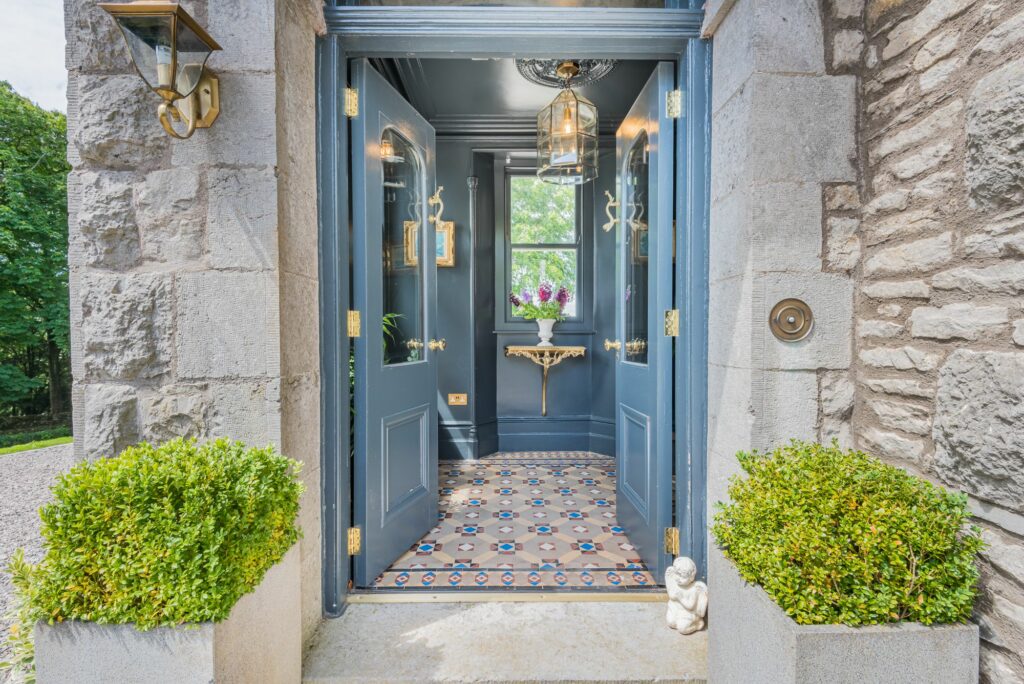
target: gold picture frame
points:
(639, 242)
(444, 248)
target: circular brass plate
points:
(791, 320)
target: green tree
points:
(33, 257)
(544, 236)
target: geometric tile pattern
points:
(523, 520)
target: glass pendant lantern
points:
(567, 135)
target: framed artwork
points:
(444, 247)
(639, 242)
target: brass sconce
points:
(169, 50)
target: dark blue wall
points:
(504, 394)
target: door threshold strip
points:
(508, 597)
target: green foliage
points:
(164, 535)
(43, 434)
(838, 537)
(543, 213)
(33, 257)
(22, 618)
(535, 310)
(542, 219)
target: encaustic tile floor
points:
(526, 521)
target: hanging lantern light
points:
(567, 135)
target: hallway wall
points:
(504, 394)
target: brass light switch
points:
(458, 399)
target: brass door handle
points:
(413, 344)
(609, 345)
(437, 345)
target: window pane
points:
(402, 326)
(542, 212)
(531, 267)
(636, 252)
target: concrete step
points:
(504, 642)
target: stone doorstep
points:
(504, 642)
(259, 643)
(751, 640)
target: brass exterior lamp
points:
(169, 50)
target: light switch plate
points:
(458, 399)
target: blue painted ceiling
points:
(489, 95)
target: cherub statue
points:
(687, 598)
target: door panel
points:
(644, 155)
(395, 460)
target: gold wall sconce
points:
(169, 50)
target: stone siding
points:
(939, 369)
(784, 219)
(193, 264)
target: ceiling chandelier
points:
(566, 128)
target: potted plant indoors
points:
(546, 307)
(175, 563)
(833, 566)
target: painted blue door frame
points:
(464, 32)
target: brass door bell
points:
(791, 320)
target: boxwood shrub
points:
(838, 537)
(163, 535)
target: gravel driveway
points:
(25, 479)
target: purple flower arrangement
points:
(546, 304)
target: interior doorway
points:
(408, 424)
(576, 497)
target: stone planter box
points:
(751, 640)
(259, 643)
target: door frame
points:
(501, 32)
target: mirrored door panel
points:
(404, 210)
(637, 245)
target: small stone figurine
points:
(687, 598)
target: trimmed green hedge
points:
(838, 537)
(164, 535)
(15, 438)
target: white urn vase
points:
(545, 329)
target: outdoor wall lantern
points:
(169, 50)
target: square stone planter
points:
(751, 640)
(259, 643)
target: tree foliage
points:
(542, 218)
(33, 257)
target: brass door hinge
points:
(672, 323)
(674, 104)
(672, 540)
(354, 324)
(351, 103)
(355, 541)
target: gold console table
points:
(545, 357)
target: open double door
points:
(395, 465)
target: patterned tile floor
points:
(523, 520)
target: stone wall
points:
(784, 203)
(193, 264)
(940, 320)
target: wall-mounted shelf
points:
(545, 357)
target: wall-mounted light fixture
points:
(169, 50)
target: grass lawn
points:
(35, 445)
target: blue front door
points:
(643, 387)
(394, 289)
